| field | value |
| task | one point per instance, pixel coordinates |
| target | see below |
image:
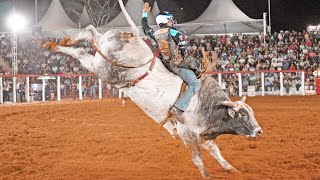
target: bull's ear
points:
(231, 112)
(243, 99)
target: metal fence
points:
(30, 88)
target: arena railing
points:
(251, 83)
(40, 85)
(244, 83)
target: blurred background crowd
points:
(284, 50)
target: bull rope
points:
(135, 81)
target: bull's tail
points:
(135, 30)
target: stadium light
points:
(16, 22)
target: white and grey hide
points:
(210, 113)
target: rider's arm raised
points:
(146, 29)
(144, 21)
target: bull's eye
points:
(243, 113)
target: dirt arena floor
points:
(100, 139)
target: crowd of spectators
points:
(282, 50)
(33, 59)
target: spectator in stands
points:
(6, 90)
(267, 84)
(275, 84)
(53, 90)
(74, 90)
(231, 89)
(245, 84)
(287, 84)
(93, 89)
(63, 89)
(1, 70)
(21, 91)
(86, 88)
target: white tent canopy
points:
(85, 19)
(134, 8)
(222, 28)
(155, 10)
(222, 17)
(56, 18)
(222, 11)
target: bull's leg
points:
(213, 149)
(87, 60)
(89, 33)
(192, 142)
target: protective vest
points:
(168, 48)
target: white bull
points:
(125, 57)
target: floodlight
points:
(16, 22)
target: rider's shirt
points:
(171, 43)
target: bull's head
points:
(243, 121)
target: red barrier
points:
(252, 72)
(318, 86)
(38, 75)
(86, 75)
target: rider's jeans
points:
(190, 78)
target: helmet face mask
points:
(163, 18)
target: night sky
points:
(285, 14)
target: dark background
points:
(285, 14)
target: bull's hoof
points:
(123, 102)
(65, 42)
(175, 134)
(204, 136)
(175, 120)
(205, 174)
(50, 45)
(233, 170)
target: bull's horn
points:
(231, 104)
(243, 99)
(135, 30)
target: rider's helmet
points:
(164, 17)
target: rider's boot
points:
(176, 114)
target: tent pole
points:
(36, 10)
(264, 27)
(269, 8)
